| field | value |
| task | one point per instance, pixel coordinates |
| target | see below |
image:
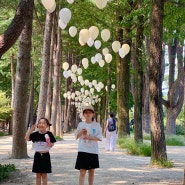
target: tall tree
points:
(158, 143)
(138, 99)
(45, 66)
(174, 102)
(19, 147)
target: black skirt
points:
(41, 163)
(87, 161)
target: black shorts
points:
(87, 161)
(41, 163)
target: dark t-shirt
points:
(36, 137)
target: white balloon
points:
(52, 9)
(105, 35)
(69, 72)
(97, 44)
(61, 24)
(94, 32)
(86, 82)
(105, 51)
(79, 71)
(90, 84)
(82, 82)
(84, 35)
(81, 42)
(98, 57)
(85, 63)
(65, 15)
(86, 92)
(82, 90)
(93, 60)
(65, 66)
(92, 90)
(70, 1)
(101, 85)
(113, 86)
(101, 63)
(65, 74)
(48, 4)
(108, 58)
(121, 53)
(90, 42)
(74, 68)
(80, 78)
(116, 46)
(74, 80)
(94, 82)
(101, 3)
(126, 48)
(72, 31)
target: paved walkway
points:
(116, 168)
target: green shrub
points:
(5, 170)
(180, 129)
(174, 140)
(3, 134)
(58, 138)
(162, 163)
(134, 148)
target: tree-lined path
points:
(116, 168)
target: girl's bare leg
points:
(91, 177)
(44, 178)
(38, 178)
(82, 176)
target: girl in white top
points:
(88, 133)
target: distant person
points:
(42, 140)
(89, 133)
(110, 133)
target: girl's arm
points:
(27, 136)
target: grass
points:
(3, 133)
(162, 163)
(5, 171)
(143, 149)
(172, 140)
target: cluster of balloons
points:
(64, 17)
(89, 36)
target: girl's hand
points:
(33, 127)
(84, 131)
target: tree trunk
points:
(158, 143)
(50, 84)
(123, 74)
(45, 67)
(138, 134)
(10, 36)
(146, 112)
(30, 110)
(175, 94)
(56, 75)
(19, 146)
(10, 131)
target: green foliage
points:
(3, 134)
(162, 163)
(180, 129)
(143, 149)
(172, 140)
(5, 170)
(58, 138)
(175, 140)
(5, 109)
